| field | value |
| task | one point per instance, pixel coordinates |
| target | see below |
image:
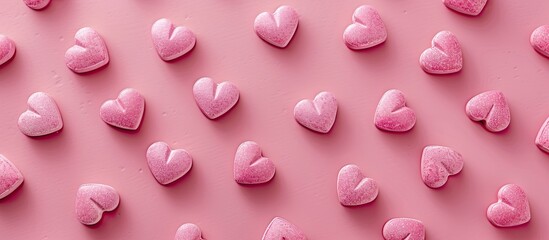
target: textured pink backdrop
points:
(497, 55)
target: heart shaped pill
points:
(213, 99)
(37, 4)
(392, 114)
(353, 188)
(540, 40)
(92, 200)
(437, 163)
(511, 209)
(403, 229)
(468, 7)
(277, 28)
(168, 165)
(89, 52)
(318, 115)
(367, 29)
(188, 231)
(10, 177)
(42, 116)
(126, 111)
(171, 42)
(444, 56)
(7, 49)
(542, 139)
(491, 108)
(250, 167)
(281, 229)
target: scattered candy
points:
(318, 115)
(10, 177)
(469, 7)
(540, 40)
(353, 188)
(490, 107)
(171, 42)
(278, 28)
(367, 29)
(511, 209)
(392, 114)
(89, 52)
(42, 117)
(7, 49)
(437, 163)
(250, 167)
(281, 229)
(444, 56)
(168, 165)
(92, 200)
(213, 99)
(542, 140)
(188, 231)
(37, 4)
(124, 112)
(403, 229)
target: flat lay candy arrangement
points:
(280, 120)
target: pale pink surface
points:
(491, 109)
(438, 163)
(271, 81)
(367, 29)
(444, 56)
(92, 199)
(469, 7)
(126, 111)
(277, 28)
(542, 139)
(512, 208)
(188, 231)
(168, 165)
(37, 4)
(215, 99)
(89, 52)
(319, 114)
(10, 177)
(282, 229)
(403, 229)
(353, 188)
(250, 166)
(392, 114)
(7, 49)
(42, 116)
(540, 40)
(171, 42)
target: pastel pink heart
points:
(438, 163)
(511, 209)
(542, 139)
(37, 4)
(41, 118)
(126, 111)
(353, 188)
(540, 40)
(7, 49)
(250, 167)
(213, 99)
(277, 28)
(318, 115)
(171, 42)
(444, 56)
(392, 114)
(188, 231)
(281, 229)
(469, 7)
(168, 165)
(92, 200)
(367, 29)
(491, 108)
(89, 52)
(403, 229)
(10, 177)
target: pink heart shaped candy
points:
(126, 111)
(250, 167)
(542, 139)
(392, 114)
(92, 200)
(41, 118)
(511, 209)
(10, 177)
(469, 7)
(444, 56)
(491, 108)
(213, 99)
(37, 4)
(318, 115)
(437, 163)
(403, 229)
(367, 29)
(353, 188)
(7, 49)
(188, 231)
(171, 42)
(540, 40)
(168, 165)
(277, 28)
(281, 229)
(89, 52)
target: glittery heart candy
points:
(250, 167)
(7, 49)
(437, 163)
(511, 209)
(92, 200)
(403, 229)
(10, 177)
(392, 114)
(281, 229)
(367, 29)
(277, 28)
(124, 112)
(171, 42)
(168, 165)
(540, 40)
(542, 139)
(318, 115)
(37, 4)
(469, 7)
(490, 107)
(89, 52)
(42, 117)
(188, 231)
(353, 188)
(444, 56)
(213, 99)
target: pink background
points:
(497, 55)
